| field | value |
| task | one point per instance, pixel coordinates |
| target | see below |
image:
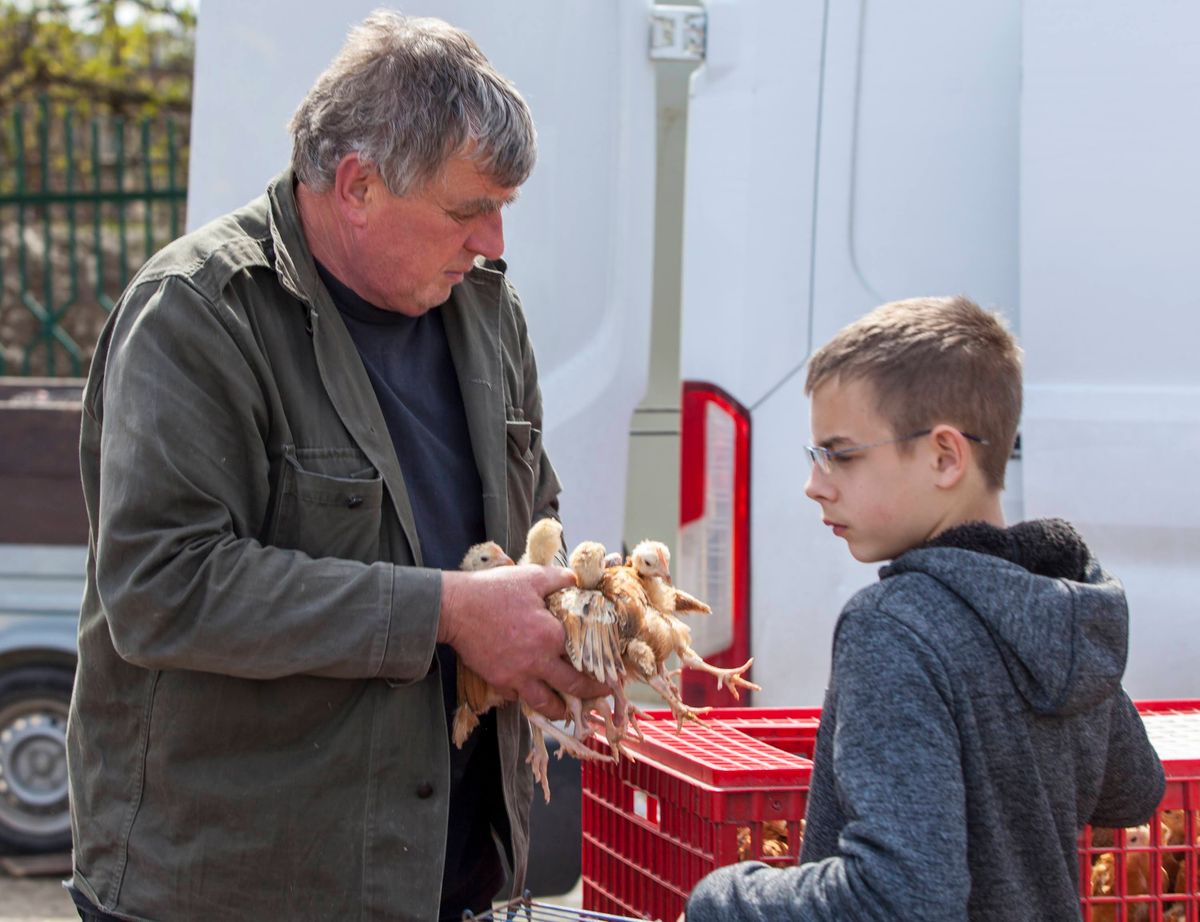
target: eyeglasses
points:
(826, 458)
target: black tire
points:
(35, 814)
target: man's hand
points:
(497, 622)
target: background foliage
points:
(127, 57)
(95, 106)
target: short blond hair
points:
(931, 361)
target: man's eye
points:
(842, 457)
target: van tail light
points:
(714, 537)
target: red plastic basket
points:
(1148, 873)
(730, 789)
(736, 788)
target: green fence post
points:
(172, 155)
(148, 190)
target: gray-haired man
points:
(286, 450)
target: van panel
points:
(919, 157)
(934, 180)
(749, 195)
(1109, 282)
(42, 579)
(914, 112)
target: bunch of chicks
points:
(621, 621)
(772, 844)
(1172, 869)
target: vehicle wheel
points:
(34, 808)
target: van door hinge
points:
(677, 33)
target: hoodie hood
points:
(1059, 621)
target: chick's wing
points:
(593, 641)
(621, 586)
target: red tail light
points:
(714, 538)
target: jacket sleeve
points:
(178, 412)
(1134, 781)
(896, 767)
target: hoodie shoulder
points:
(1063, 641)
(924, 608)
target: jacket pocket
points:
(330, 504)
(521, 447)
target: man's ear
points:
(951, 455)
(352, 188)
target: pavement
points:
(31, 889)
(35, 893)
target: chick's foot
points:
(539, 761)
(727, 678)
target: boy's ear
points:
(951, 455)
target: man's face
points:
(882, 499)
(410, 250)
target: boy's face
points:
(883, 500)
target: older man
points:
(297, 420)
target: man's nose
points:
(487, 235)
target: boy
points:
(974, 719)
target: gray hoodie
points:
(974, 722)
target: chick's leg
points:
(539, 758)
(565, 740)
(662, 684)
(578, 708)
(729, 678)
(626, 713)
(614, 731)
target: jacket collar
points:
(472, 320)
(292, 262)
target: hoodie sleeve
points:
(1134, 781)
(897, 775)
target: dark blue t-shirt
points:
(409, 364)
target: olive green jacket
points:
(257, 730)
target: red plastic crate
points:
(1148, 873)
(732, 788)
(736, 788)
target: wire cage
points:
(529, 910)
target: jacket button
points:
(353, 502)
(424, 790)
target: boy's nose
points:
(817, 487)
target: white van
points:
(686, 241)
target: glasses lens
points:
(818, 457)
